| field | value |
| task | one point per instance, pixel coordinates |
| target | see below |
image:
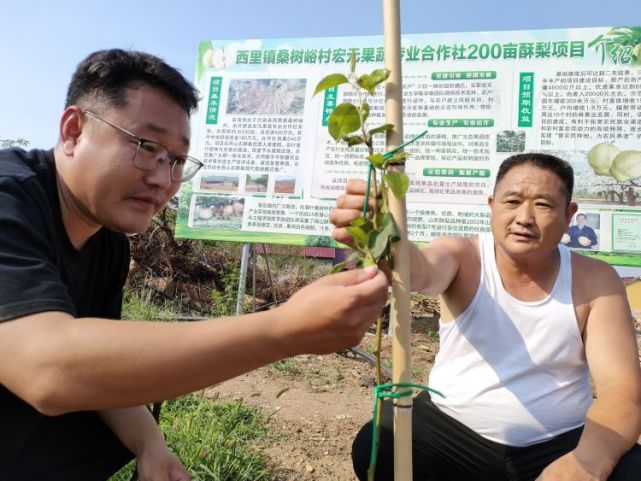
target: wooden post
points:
(400, 315)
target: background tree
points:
(19, 142)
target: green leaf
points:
(368, 262)
(353, 257)
(332, 80)
(363, 225)
(398, 182)
(352, 67)
(343, 120)
(378, 243)
(369, 82)
(390, 228)
(377, 160)
(364, 111)
(363, 82)
(357, 233)
(399, 159)
(380, 129)
(353, 140)
(380, 75)
(338, 267)
(360, 221)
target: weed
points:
(224, 300)
(370, 347)
(419, 372)
(287, 367)
(213, 439)
(140, 305)
(338, 373)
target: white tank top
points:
(514, 371)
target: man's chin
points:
(521, 246)
(129, 226)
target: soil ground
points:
(316, 404)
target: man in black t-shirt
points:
(73, 382)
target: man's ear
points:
(490, 200)
(71, 124)
(570, 211)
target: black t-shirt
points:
(40, 270)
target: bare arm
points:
(138, 431)
(613, 422)
(60, 364)
(433, 268)
(135, 427)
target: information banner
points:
(272, 172)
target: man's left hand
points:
(158, 463)
(569, 468)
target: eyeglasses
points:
(150, 155)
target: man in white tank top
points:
(524, 321)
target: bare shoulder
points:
(462, 287)
(597, 293)
(594, 278)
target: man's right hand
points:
(349, 206)
(332, 313)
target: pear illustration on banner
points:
(601, 156)
(606, 159)
(626, 165)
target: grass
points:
(139, 305)
(419, 372)
(214, 440)
(287, 367)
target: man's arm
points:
(138, 431)
(432, 268)
(59, 364)
(613, 422)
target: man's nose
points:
(161, 175)
(524, 214)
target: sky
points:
(42, 41)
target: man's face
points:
(580, 220)
(529, 210)
(106, 186)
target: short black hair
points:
(104, 76)
(560, 167)
(581, 215)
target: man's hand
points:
(349, 206)
(137, 430)
(332, 313)
(157, 463)
(569, 468)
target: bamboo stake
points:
(400, 316)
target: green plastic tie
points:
(386, 156)
(384, 391)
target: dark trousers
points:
(71, 447)
(446, 450)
